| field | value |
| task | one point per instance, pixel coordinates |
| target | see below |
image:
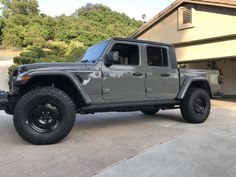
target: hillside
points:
(89, 24)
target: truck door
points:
(162, 81)
(125, 79)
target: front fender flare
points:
(69, 76)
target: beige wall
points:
(207, 51)
(208, 21)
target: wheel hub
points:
(199, 106)
(45, 118)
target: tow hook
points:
(3, 100)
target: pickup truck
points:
(117, 74)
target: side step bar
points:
(3, 100)
(126, 106)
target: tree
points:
(22, 26)
(96, 22)
(23, 7)
(13, 35)
(2, 26)
(35, 35)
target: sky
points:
(134, 9)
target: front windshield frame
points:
(93, 60)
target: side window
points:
(129, 54)
(157, 56)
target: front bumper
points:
(3, 100)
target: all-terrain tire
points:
(44, 116)
(150, 111)
(196, 106)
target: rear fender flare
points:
(191, 80)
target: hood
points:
(51, 66)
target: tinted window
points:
(129, 54)
(157, 56)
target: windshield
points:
(93, 53)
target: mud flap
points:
(3, 100)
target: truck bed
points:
(211, 75)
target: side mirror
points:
(112, 57)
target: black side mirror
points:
(112, 57)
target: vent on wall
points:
(185, 18)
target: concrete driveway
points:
(128, 145)
(5, 62)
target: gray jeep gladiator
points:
(113, 75)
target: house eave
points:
(167, 11)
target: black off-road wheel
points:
(44, 116)
(196, 106)
(150, 111)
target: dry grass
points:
(9, 53)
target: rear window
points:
(157, 56)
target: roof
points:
(176, 4)
(142, 41)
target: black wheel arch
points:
(195, 82)
(65, 82)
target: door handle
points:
(165, 74)
(137, 74)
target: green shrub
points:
(38, 52)
(75, 50)
(31, 55)
(21, 60)
(77, 53)
(12, 68)
(71, 58)
(57, 52)
(57, 48)
(52, 58)
(35, 35)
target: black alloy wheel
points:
(45, 118)
(44, 115)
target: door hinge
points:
(106, 91)
(148, 75)
(105, 74)
(148, 90)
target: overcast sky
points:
(134, 8)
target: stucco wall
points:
(214, 50)
(209, 22)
